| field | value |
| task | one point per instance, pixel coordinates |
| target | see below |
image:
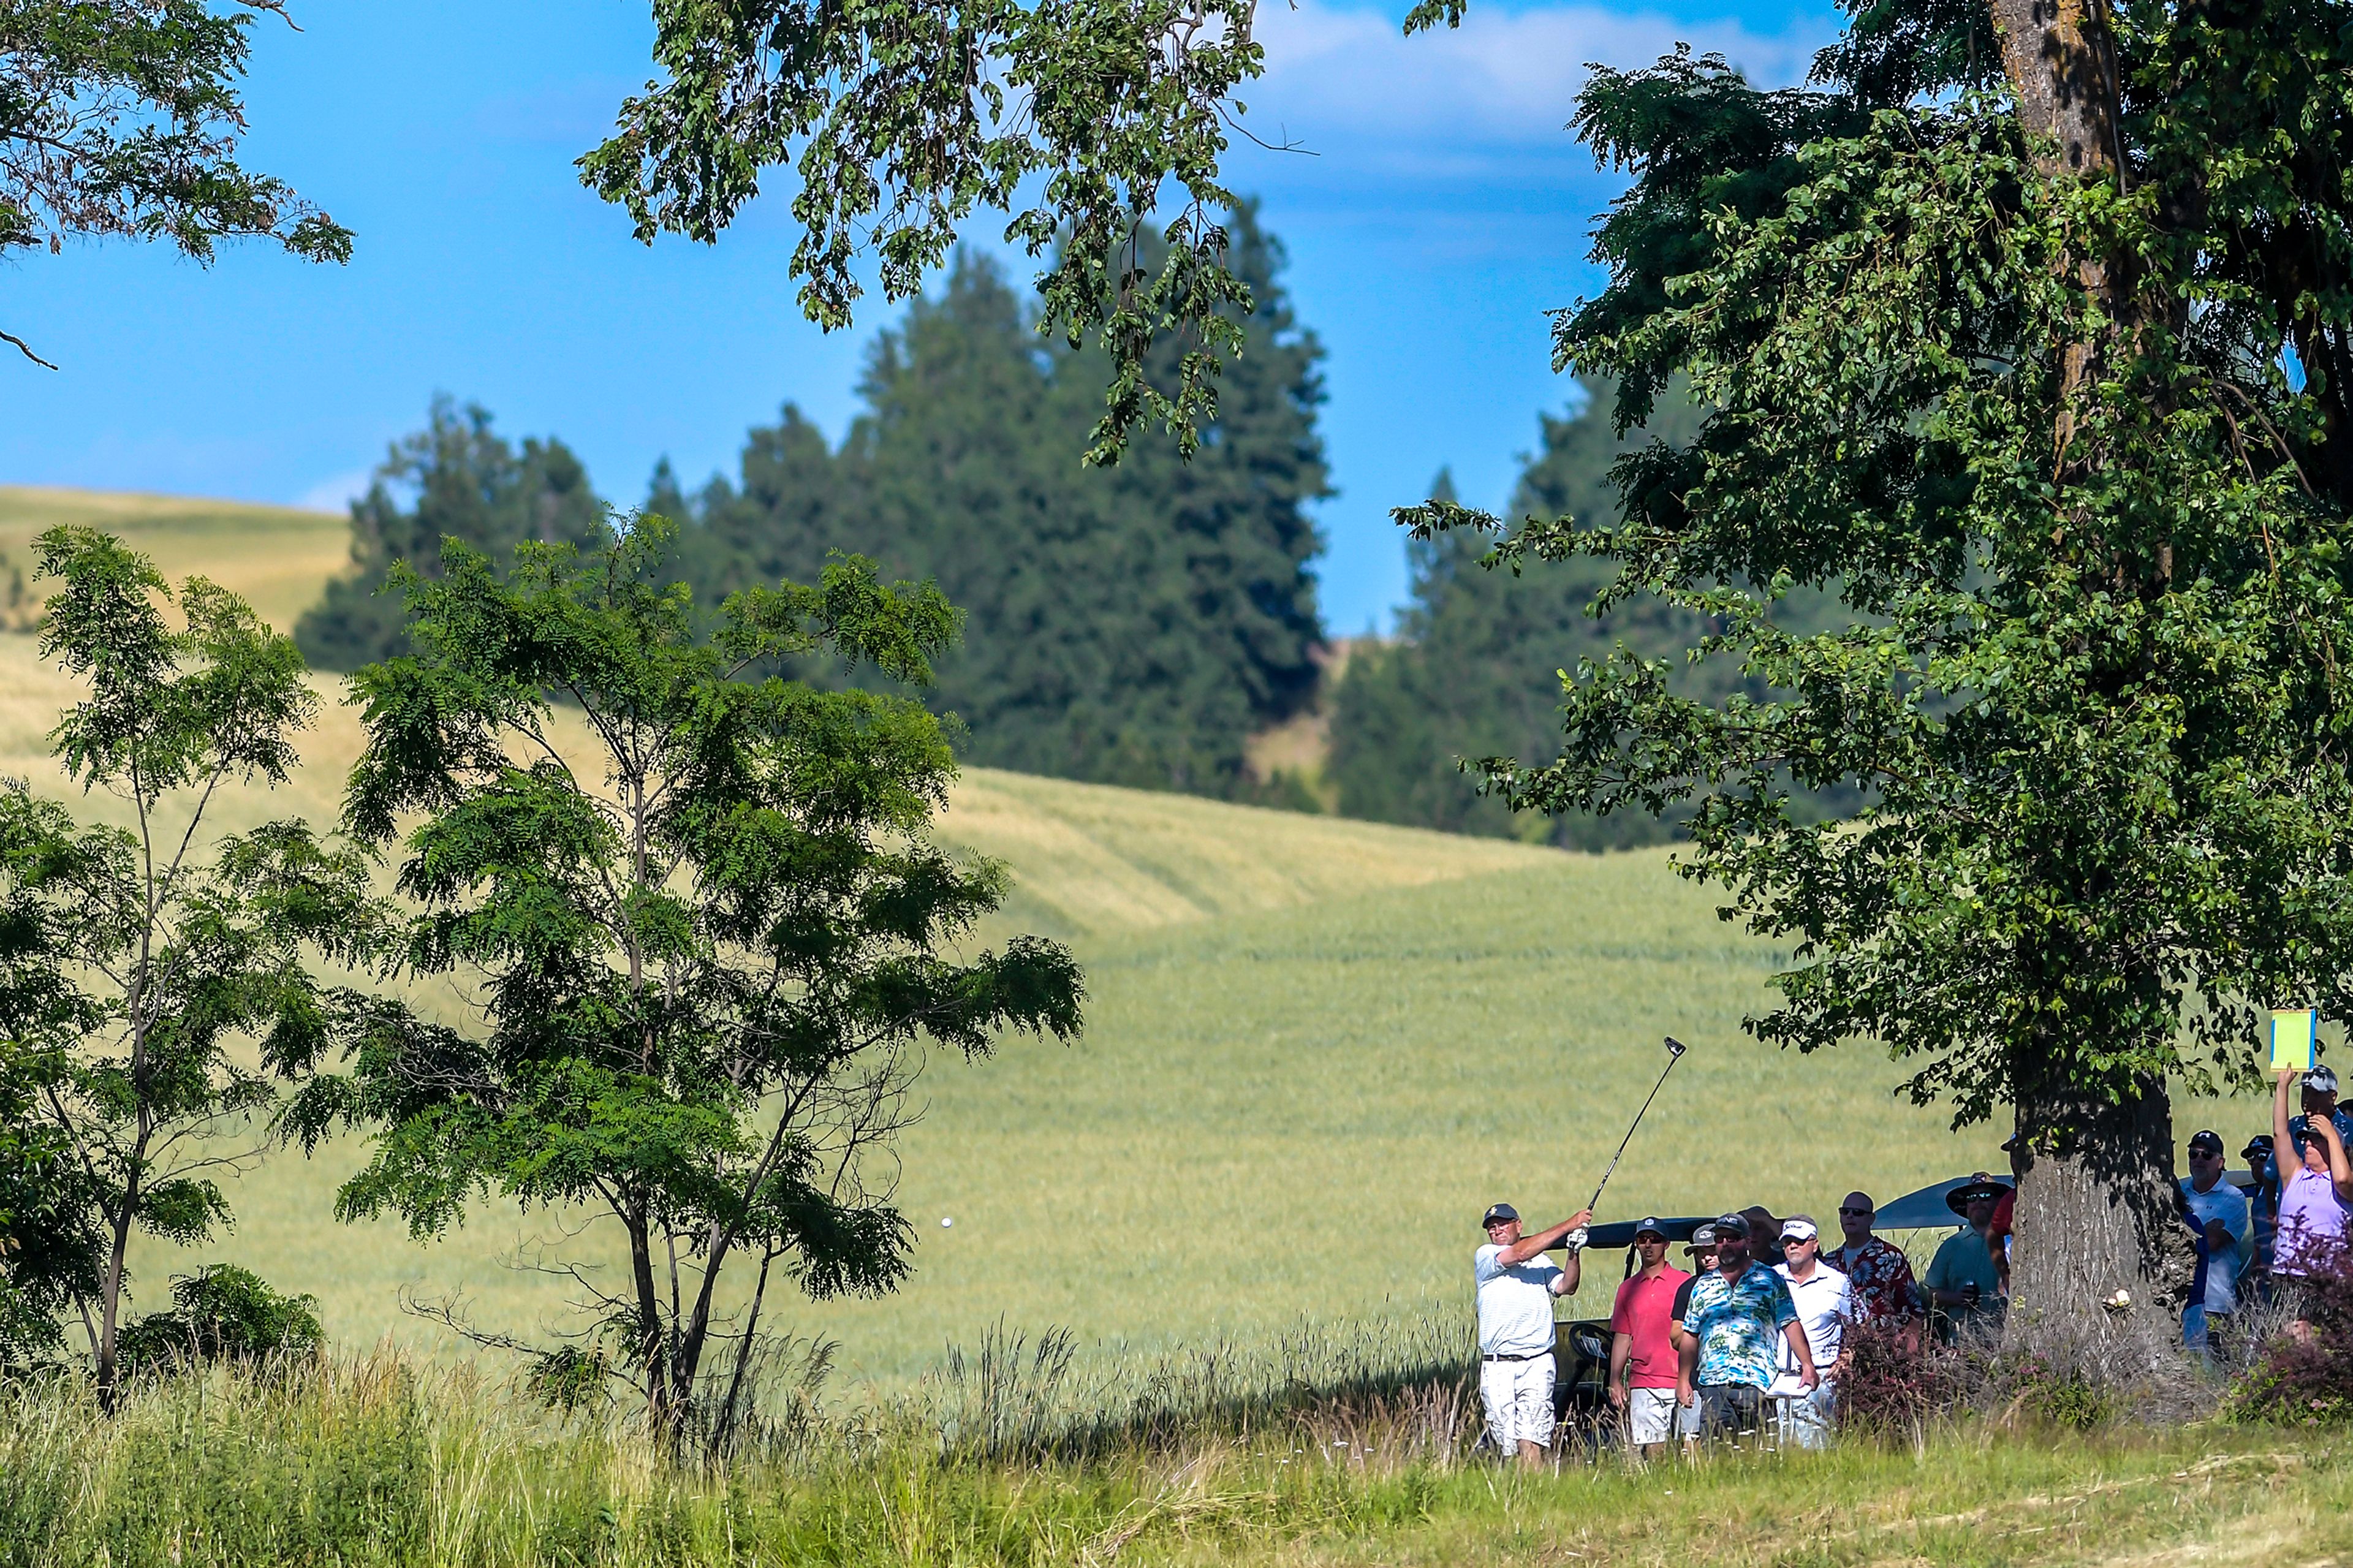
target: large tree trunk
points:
(2062, 64)
(2098, 1215)
(2103, 1259)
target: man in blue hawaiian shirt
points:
(1739, 1317)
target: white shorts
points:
(1653, 1415)
(1803, 1419)
(1518, 1397)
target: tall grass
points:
(1309, 1451)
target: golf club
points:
(1675, 1049)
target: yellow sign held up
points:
(2292, 1035)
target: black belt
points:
(1539, 1355)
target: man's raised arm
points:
(1528, 1247)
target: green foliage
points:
(468, 483)
(123, 120)
(1470, 675)
(708, 967)
(1129, 626)
(128, 965)
(902, 122)
(2068, 445)
(223, 1313)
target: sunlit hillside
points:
(1315, 1048)
(1090, 860)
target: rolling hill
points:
(1316, 1049)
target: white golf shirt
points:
(1514, 1302)
(1824, 1304)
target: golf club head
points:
(1675, 1047)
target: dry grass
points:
(276, 556)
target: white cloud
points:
(335, 494)
(1341, 74)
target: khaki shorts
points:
(1518, 1397)
(1653, 1415)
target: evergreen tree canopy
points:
(466, 482)
(1130, 624)
(1473, 670)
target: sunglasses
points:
(1844, 1209)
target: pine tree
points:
(1132, 625)
(468, 484)
(1471, 673)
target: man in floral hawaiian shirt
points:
(1739, 1317)
(1877, 1272)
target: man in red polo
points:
(1641, 1349)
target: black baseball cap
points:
(1496, 1213)
(1731, 1224)
(2261, 1143)
(2206, 1141)
(1649, 1224)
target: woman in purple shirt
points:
(2313, 1206)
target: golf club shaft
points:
(1672, 1060)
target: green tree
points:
(223, 1313)
(131, 963)
(2023, 328)
(1132, 624)
(709, 925)
(901, 123)
(121, 119)
(467, 483)
(1473, 670)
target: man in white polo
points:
(1517, 1285)
(1825, 1304)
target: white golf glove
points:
(1574, 1239)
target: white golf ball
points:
(945, 1223)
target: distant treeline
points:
(1472, 672)
(1130, 624)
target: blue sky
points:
(1442, 214)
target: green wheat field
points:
(1314, 1050)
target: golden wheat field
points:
(1315, 1048)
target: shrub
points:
(2305, 1377)
(1890, 1387)
(2049, 1391)
(223, 1313)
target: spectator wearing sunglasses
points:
(1877, 1271)
(2263, 1219)
(1642, 1359)
(2219, 1213)
(1739, 1318)
(1964, 1287)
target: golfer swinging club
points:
(1517, 1285)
